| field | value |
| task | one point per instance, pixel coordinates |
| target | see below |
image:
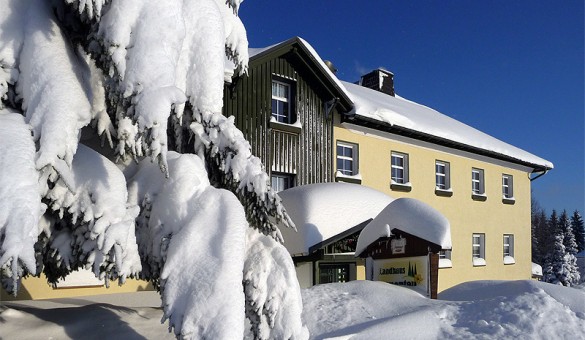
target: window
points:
(507, 187)
(334, 272)
(478, 249)
(509, 249)
(477, 182)
(282, 102)
(347, 161)
(445, 259)
(399, 168)
(442, 175)
(281, 181)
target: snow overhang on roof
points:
(401, 116)
(325, 210)
(410, 216)
(312, 60)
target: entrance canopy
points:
(410, 216)
(324, 211)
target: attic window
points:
(282, 102)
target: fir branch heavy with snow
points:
(144, 75)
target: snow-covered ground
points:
(355, 310)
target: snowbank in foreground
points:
(473, 310)
(356, 310)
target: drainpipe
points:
(542, 173)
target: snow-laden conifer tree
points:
(560, 264)
(145, 77)
(578, 230)
(570, 244)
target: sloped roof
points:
(322, 211)
(421, 121)
(411, 216)
(316, 64)
(399, 115)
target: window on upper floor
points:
(478, 249)
(347, 158)
(507, 187)
(282, 102)
(281, 181)
(399, 171)
(442, 175)
(508, 248)
(477, 182)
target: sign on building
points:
(408, 272)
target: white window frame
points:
(281, 181)
(446, 175)
(445, 258)
(507, 187)
(354, 171)
(477, 182)
(478, 249)
(508, 248)
(396, 167)
(280, 117)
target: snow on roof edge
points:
(400, 112)
(492, 145)
(410, 216)
(255, 52)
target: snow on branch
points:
(232, 166)
(99, 228)
(20, 202)
(41, 70)
(273, 299)
(192, 238)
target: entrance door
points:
(333, 272)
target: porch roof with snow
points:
(403, 117)
(410, 216)
(326, 210)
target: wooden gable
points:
(305, 151)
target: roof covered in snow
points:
(411, 216)
(318, 65)
(322, 211)
(405, 116)
(400, 113)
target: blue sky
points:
(513, 69)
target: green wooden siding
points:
(308, 153)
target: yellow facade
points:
(36, 288)
(492, 216)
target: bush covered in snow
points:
(145, 78)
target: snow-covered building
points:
(309, 127)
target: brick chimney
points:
(379, 80)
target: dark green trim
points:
(481, 198)
(425, 137)
(443, 193)
(348, 179)
(339, 236)
(400, 187)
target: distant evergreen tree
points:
(578, 230)
(560, 264)
(539, 228)
(569, 236)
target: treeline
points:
(556, 240)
